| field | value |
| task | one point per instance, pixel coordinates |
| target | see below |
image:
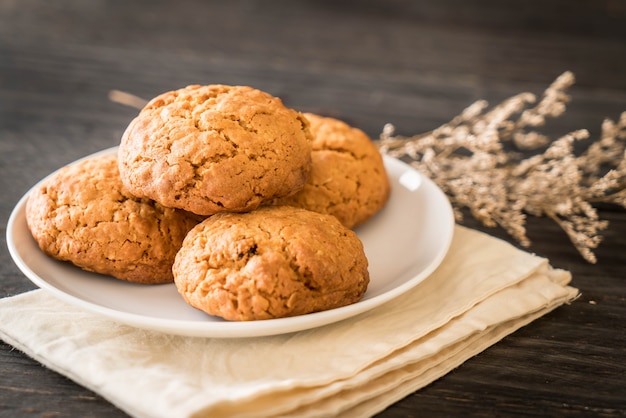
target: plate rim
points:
(231, 329)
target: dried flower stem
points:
(478, 161)
(127, 99)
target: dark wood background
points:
(415, 64)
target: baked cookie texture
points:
(215, 148)
(348, 178)
(83, 214)
(274, 262)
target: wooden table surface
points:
(415, 64)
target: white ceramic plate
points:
(404, 243)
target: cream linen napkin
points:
(484, 290)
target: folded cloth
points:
(484, 290)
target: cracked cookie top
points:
(276, 261)
(348, 178)
(83, 214)
(215, 148)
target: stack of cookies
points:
(246, 205)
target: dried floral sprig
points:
(480, 160)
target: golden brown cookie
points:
(83, 214)
(348, 178)
(216, 148)
(274, 262)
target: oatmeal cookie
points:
(348, 178)
(83, 214)
(274, 262)
(216, 148)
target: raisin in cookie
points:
(82, 214)
(348, 177)
(276, 261)
(216, 148)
